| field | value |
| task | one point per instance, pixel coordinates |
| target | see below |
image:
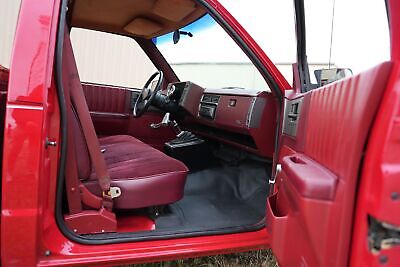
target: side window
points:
(345, 37)
(110, 59)
(8, 21)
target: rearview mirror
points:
(325, 76)
(176, 37)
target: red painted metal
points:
(380, 179)
(67, 253)
(134, 223)
(393, 7)
(92, 221)
(27, 165)
(380, 176)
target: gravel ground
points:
(263, 258)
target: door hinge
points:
(382, 235)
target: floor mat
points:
(220, 197)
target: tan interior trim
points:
(143, 27)
(140, 18)
(174, 10)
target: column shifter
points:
(167, 122)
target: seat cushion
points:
(146, 176)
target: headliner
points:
(137, 18)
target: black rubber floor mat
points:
(220, 197)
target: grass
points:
(263, 258)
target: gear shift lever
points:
(166, 122)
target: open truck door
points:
(326, 152)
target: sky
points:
(360, 37)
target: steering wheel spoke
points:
(147, 94)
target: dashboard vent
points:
(211, 99)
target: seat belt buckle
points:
(113, 192)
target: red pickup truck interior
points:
(142, 170)
(158, 190)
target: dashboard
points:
(239, 117)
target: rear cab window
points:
(110, 59)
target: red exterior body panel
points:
(26, 170)
(66, 253)
(380, 180)
(380, 175)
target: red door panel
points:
(110, 108)
(324, 134)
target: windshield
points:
(206, 55)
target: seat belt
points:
(74, 96)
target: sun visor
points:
(143, 27)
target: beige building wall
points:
(9, 10)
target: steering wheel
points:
(147, 94)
